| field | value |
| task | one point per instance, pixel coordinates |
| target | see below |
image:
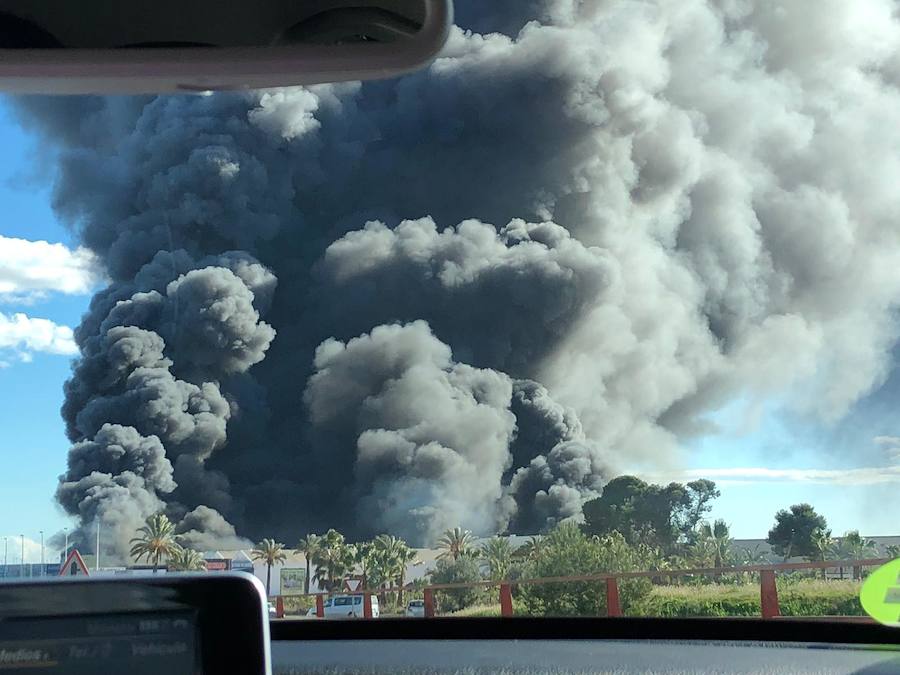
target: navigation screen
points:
(133, 644)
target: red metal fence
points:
(768, 592)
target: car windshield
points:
(607, 294)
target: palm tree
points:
(718, 539)
(497, 553)
(455, 543)
(308, 546)
(892, 551)
(854, 547)
(753, 556)
(529, 549)
(334, 559)
(702, 552)
(155, 540)
(392, 555)
(272, 553)
(407, 555)
(824, 545)
(186, 560)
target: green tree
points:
(272, 553)
(792, 534)
(461, 571)
(852, 546)
(497, 554)
(308, 546)
(155, 540)
(334, 559)
(665, 517)
(824, 546)
(892, 551)
(455, 543)
(186, 560)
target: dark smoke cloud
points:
(614, 218)
(501, 298)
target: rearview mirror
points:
(144, 46)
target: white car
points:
(415, 608)
(348, 606)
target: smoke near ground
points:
(470, 295)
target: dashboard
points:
(533, 657)
(582, 646)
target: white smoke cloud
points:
(12, 549)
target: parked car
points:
(348, 606)
(273, 612)
(415, 608)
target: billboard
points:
(218, 565)
(293, 580)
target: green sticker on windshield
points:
(880, 594)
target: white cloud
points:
(873, 475)
(30, 270)
(22, 335)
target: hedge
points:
(801, 598)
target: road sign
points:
(354, 582)
(74, 566)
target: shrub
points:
(567, 551)
(464, 570)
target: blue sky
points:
(761, 467)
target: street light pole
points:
(66, 552)
(22, 536)
(42, 554)
(5, 556)
(97, 561)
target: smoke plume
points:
(470, 295)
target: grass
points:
(480, 611)
(800, 598)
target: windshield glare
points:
(606, 294)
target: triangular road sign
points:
(74, 566)
(352, 584)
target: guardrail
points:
(768, 592)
